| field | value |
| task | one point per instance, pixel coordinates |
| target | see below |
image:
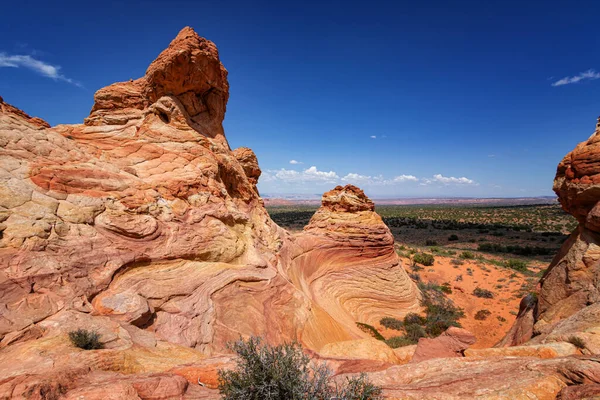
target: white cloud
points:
(589, 74)
(311, 174)
(405, 178)
(449, 180)
(40, 67)
(294, 162)
(377, 180)
(356, 178)
(373, 137)
(491, 155)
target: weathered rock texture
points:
(142, 224)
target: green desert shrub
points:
(86, 340)
(414, 332)
(391, 323)
(441, 315)
(424, 259)
(483, 293)
(452, 238)
(446, 288)
(284, 372)
(467, 255)
(430, 242)
(412, 318)
(517, 265)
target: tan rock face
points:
(142, 224)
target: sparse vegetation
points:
(446, 288)
(483, 293)
(399, 341)
(467, 255)
(391, 323)
(86, 340)
(482, 314)
(424, 259)
(284, 372)
(517, 265)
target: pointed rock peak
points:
(188, 71)
(347, 198)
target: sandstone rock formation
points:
(143, 225)
(566, 305)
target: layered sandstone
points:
(143, 225)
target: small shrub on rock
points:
(86, 340)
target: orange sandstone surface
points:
(144, 225)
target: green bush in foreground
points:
(285, 373)
(86, 340)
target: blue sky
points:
(404, 98)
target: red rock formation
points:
(142, 224)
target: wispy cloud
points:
(589, 74)
(295, 162)
(316, 176)
(448, 180)
(373, 137)
(39, 67)
(378, 180)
